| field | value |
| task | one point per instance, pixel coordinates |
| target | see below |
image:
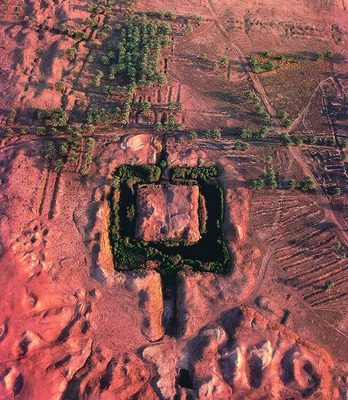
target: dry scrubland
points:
(258, 90)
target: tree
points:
(292, 184)
(224, 61)
(298, 141)
(73, 159)
(249, 94)
(12, 116)
(337, 245)
(260, 110)
(271, 178)
(98, 75)
(307, 183)
(193, 135)
(216, 133)
(269, 66)
(283, 115)
(59, 86)
(286, 139)
(329, 284)
(71, 53)
(198, 19)
(105, 60)
(334, 191)
(58, 165)
(246, 134)
(263, 132)
(170, 15)
(186, 31)
(312, 139)
(258, 184)
(239, 145)
(163, 164)
(49, 150)
(64, 148)
(329, 54)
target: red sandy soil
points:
(73, 328)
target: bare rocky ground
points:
(70, 326)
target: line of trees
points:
(140, 51)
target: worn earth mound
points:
(167, 212)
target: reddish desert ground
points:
(173, 199)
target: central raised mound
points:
(167, 212)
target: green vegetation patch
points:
(270, 61)
(210, 253)
(140, 50)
